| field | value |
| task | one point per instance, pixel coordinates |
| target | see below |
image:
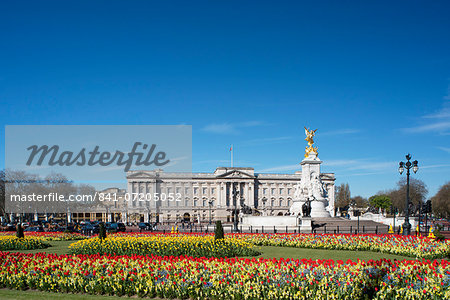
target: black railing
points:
(325, 229)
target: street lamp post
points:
(355, 213)
(235, 194)
(210, 204)
(408, 165)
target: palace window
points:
(264, 191)
(273, 191)
(289, 191)
(196, 191)
(213, 190)
(204, 191)
(281, 191)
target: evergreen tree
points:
(218, 232)
(102, 231)
(19, 231)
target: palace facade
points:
(201, 197)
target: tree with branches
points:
(441, 202)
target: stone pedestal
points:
(296, 208)
(304, 224)
(318, 209)
(269, 221)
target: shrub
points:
(437, 233)
(218, 232)
(102, 231)
(19, 231)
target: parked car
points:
(35, 229)
(89, 229)
(7, 227)
(118, 227)
(144, 226)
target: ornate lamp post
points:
(235, 196)
(355, 212)
(408, 165)
(210, 204)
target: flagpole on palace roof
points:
(231, 150)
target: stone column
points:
(251, 194)
(246, 194)
(153, 189)
(218, 194)
(223, 194)
(331, 199)
(129, 191)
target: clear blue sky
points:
(372, 77)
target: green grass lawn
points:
(26, 295)
(288, 252)
(58, 247)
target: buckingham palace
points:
(202, 197)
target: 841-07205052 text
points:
(141, 197)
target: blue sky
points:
(373, 78)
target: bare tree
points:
(441, 202)
(21, 186)
(342, 196)
(417, 194)
(360, 202)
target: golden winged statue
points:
(309, 138)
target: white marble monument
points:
(311, 188)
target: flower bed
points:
(174, 245)
(28, 243)
(49, 236)
(219, 278)
(418, 247)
